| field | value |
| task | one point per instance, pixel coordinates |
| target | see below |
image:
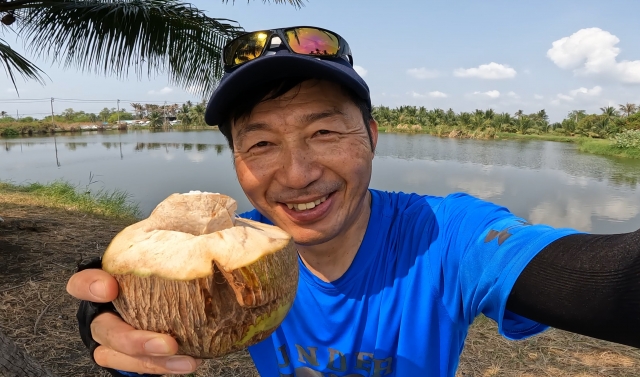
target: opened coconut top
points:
(186, 233)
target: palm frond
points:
(13, 61)
(296, 3)
(112, 37)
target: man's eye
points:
(324, 132)
(261, 144)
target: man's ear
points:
(373, 126)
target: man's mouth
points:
(306, 206)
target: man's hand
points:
(123, 347)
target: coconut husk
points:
(192, 270)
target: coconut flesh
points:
(193, 270)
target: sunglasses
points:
(301, 40)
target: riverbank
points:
(16, 129)
(602, 147)
(45, 234)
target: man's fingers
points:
(109, 358)
(111, 331)
(93, 285)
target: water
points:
(544, 182)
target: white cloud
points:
(165, 90)
(361, 71)
(580, 93)
(422, 73)
(593, 51)
(595, 91)
(564, 97)
(537, 96)
(434, 94)
(490, 94)
(437, 94)
(491, 71)
(513, 94)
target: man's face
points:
(304, 161)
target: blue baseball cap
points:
(277, 65)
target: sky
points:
(463, 54)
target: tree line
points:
(189, 114)
(487, 123)
(479, 123)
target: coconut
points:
(193, 270)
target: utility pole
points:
(52, 121)
(17, 115)
(118, 113)
(165, 113)
(55, 142)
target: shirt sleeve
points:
(483, 249)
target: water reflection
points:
(543, 182)
(139, 147)
(526, 154)
(74, 146)
(580, 214)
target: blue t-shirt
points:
(426, 268)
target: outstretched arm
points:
(584, 283)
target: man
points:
(389, 282)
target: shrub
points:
(628, 139)
(9, 132)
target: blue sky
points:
(449, 54)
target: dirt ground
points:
(40, 247)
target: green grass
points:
(113, 204)
(547, 137)
(606, 148)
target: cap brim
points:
(275, 67)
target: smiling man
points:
(389, 282)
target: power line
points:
(23, 100)
(80, 100)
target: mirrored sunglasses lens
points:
(310, 41)
(246, 48)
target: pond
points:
(544, 182)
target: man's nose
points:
(299, 168)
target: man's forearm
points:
(584, 283)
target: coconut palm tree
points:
(184, 114)
(197, 113)
(114, 37)
(576, 115)
(628, 108)
(138, 109)
(609, 111)
(519, 114)
(156, 119)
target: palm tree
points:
(184, 114)
(156, 119)
(576, 115)
(519, 114)
(609, 111)
(3, 114)
(138, 109)
(197, 112)
(628, 108)
(113, 36)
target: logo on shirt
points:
(504, 234)
(337, 363)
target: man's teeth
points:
(305, 206)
